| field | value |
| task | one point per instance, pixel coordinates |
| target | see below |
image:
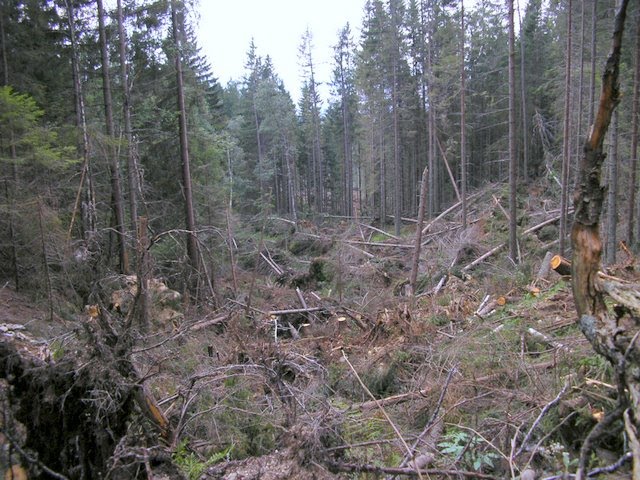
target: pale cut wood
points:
(561, 265)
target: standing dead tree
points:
(612, 333)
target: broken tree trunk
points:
(612, 334)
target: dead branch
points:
(378, 244)
(483, 257)
(295, 310)
(361, 468)
(382, 410)
(452, 208)
(277, 270)
(386, 234)
(546, 339)
(542, 414)
(392, 400)
(207, 323)
(428, 425)
(301, 298)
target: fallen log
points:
(561, 265)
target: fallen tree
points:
(72, 418)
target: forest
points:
(431, 273)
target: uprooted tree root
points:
(75, 418)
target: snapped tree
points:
(612, 333)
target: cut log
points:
(561, 265)
(545, 266)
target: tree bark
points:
(634, 141)
(612, 197)
(114, 167)
(190, 219)
(89, 215)
(463, 120)
(612, 334)
(566, 158)
(418, 240)
(513, 161)
(132, 171)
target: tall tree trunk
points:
(592, 82)
(580, 86)
(89, 211)
(413, 279)
(138, 228)
(132, 170)
(513, 161)
(10, 192)
(634, 141)
(3, 50)
(397, 167)
(463, 121)
(612, 194)
(190, 218)
(566, 154)
(523, 100)
(114, 167)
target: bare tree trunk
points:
(566, 158)
(190, 219)
(523, 99)
(513, 161)
(144, 273)
(433, 205)
(397, 167)
(132, 171)
(12, 235)
(592, 83)
(612, 194)
(45, 261)
(580, 87)
(89, 205)
(634, 141)
(3, 51)
(463, 121)
(114, 167)
(10, 192)
(413, 279)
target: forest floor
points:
(317, 363)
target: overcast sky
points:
(226, 28)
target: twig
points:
(382, 410)
(351, 467)
(301, 298)
(595, 433)
(482, 257)
(378, 244)
(537, 421)
(380, 231)
(433, 418)
(392, 400)
(544, 338)
(448, 211)
(627, 457)
(295, 310)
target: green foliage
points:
(21, 128)
(191, 464)
(462, 446)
